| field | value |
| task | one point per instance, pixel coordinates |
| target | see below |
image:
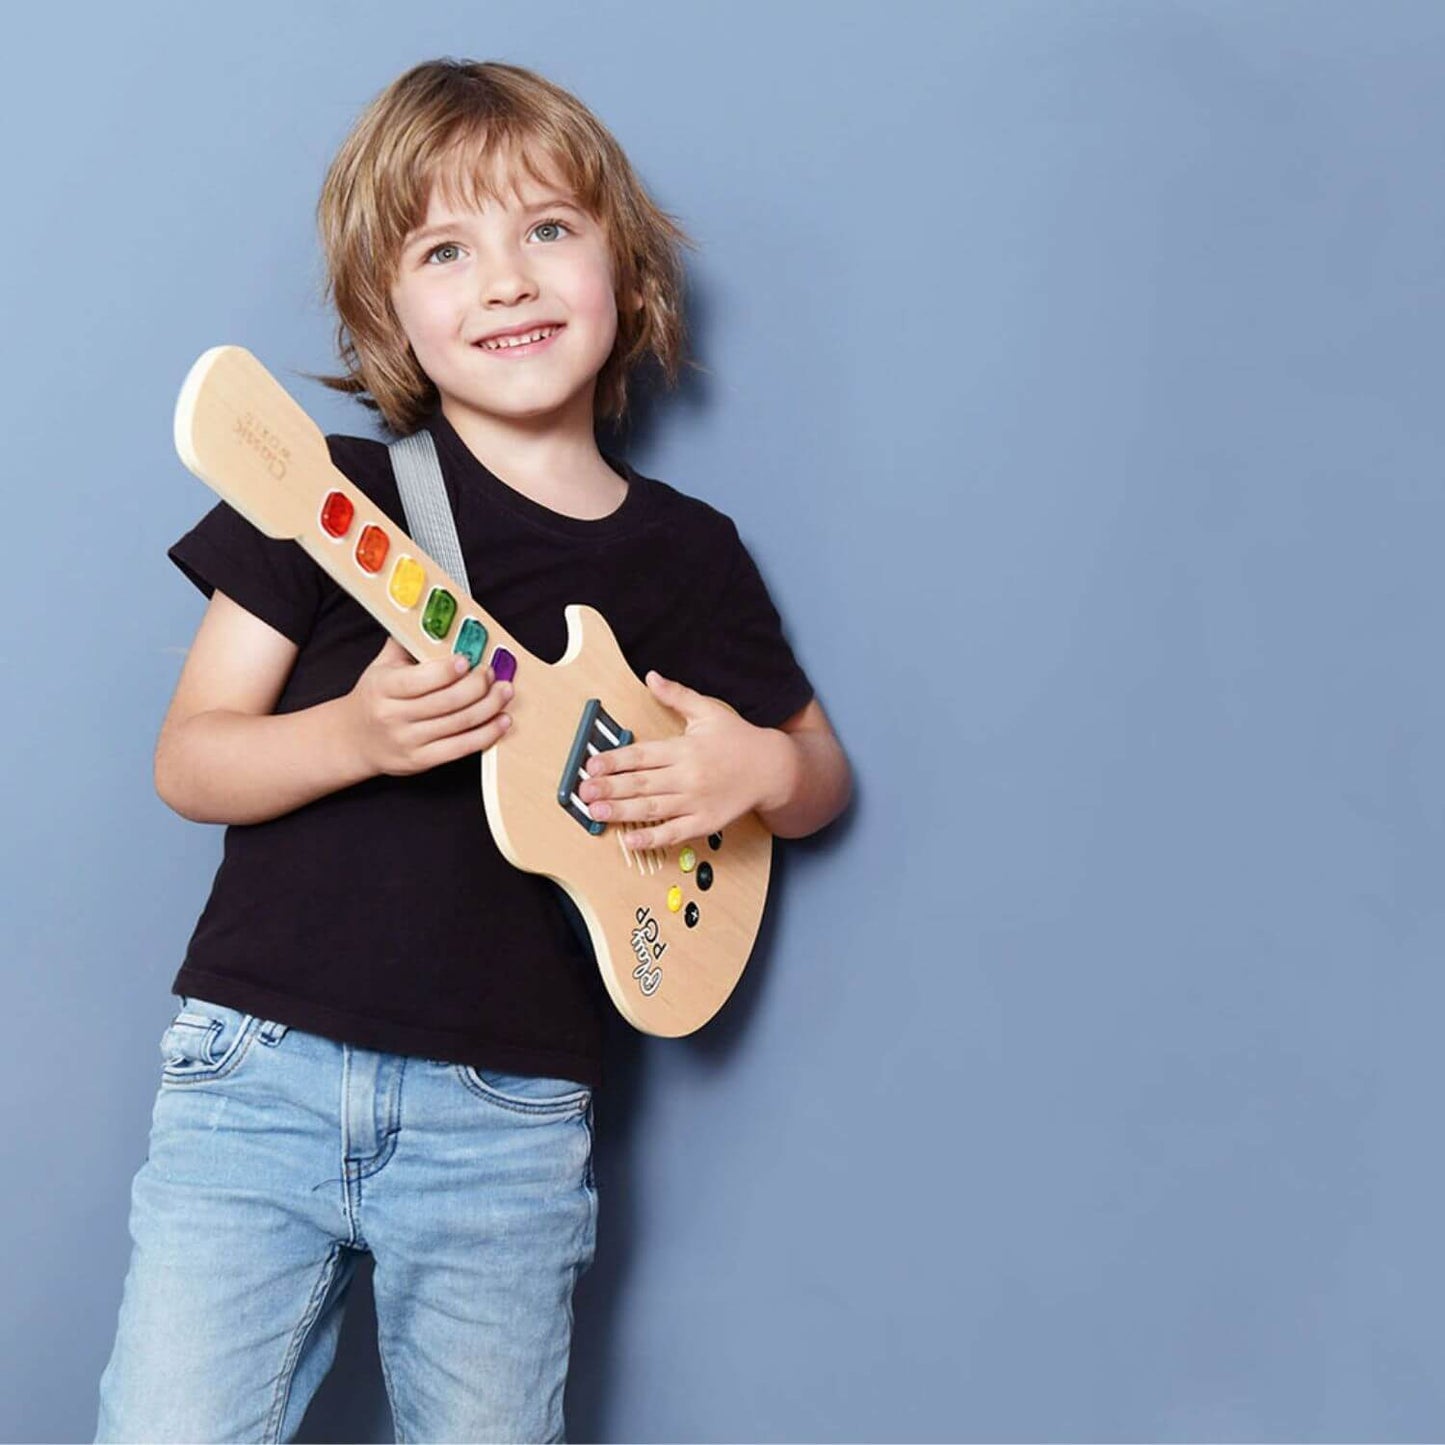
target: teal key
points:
(471, 640)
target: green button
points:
(441, 611)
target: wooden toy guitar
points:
(672, 929)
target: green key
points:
(441, 611)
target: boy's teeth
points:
(504, 341)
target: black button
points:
(704, 876)
(689, 915)
(714, 841)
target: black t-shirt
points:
(382, 915)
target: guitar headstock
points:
(244, 435)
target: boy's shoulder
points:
(680, 506)
(369, 453)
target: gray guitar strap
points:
(429, 520)
(424, 496)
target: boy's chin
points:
(534, 411)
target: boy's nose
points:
(508, 285)
(510, 294)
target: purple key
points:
(504, 665)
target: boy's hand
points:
(689, 786)
(406, 717)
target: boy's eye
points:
(452, 246)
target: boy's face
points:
(465, 274)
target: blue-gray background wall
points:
(1074, 374)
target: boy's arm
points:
(795, 776)
(223, 756)
(815, 779)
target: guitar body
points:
(665, 975)
(672, 928)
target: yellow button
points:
(674, 899)
(687, 860)
(408, 577)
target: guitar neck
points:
(245, 436)
(407, 591)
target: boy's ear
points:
(634, 301)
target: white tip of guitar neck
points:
(185, 413)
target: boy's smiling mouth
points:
(520, 339)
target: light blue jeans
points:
(276, 1157)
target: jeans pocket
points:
(533, 1094)
(205, 1041)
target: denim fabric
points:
(276, 1157)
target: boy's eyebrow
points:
(448, 225)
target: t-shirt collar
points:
(470, 475)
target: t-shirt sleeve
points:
(273, 580)
(747, 661)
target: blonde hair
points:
(444, 122)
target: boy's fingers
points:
(639, 810)
(474, 713)
(656, 754)
(677, 830)
(438, 674)
(448, 749)
(629, 785)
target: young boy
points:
(498, 272)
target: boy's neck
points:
(558, 466)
